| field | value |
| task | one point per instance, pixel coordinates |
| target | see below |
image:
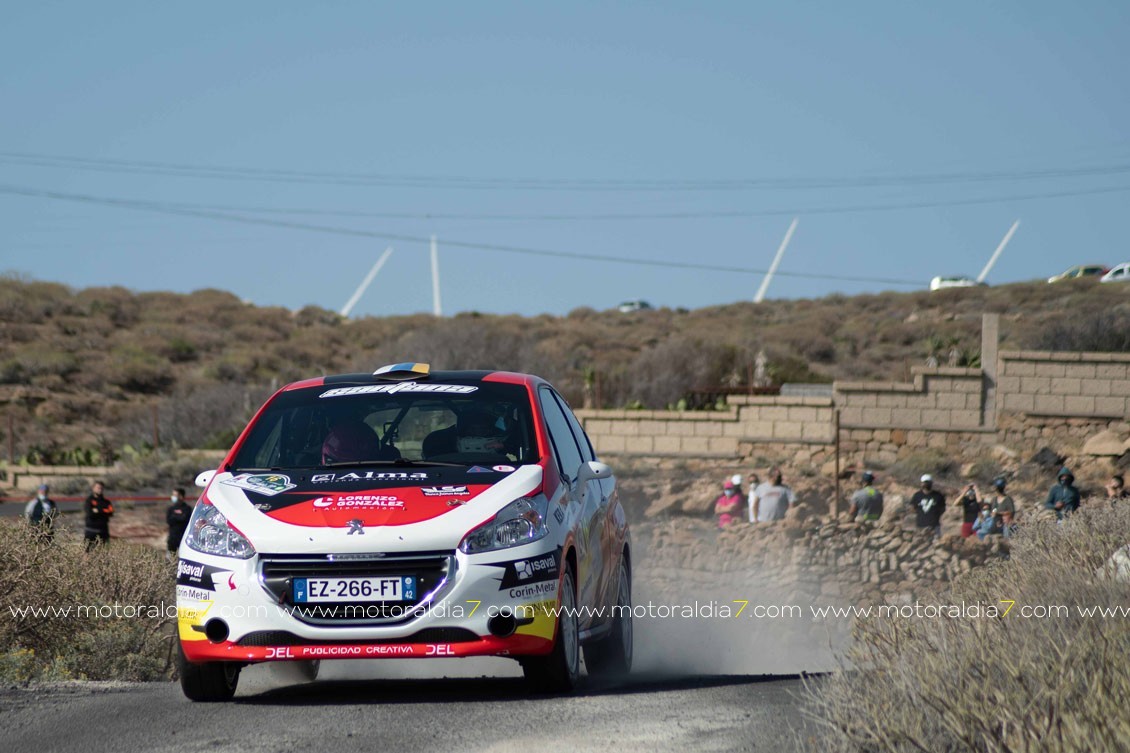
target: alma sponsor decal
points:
(359, 501)
(327, 478)
(392, 389)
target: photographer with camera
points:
(971, 509)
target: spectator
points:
(929, 504)
(728, 507)
(99, 510)
(971, 509)
(1116, 490)
(868, 501)
(1003, 509)
(984, 524)
(1063, 497)
(770, 500)
(41, 513)
(737, 479)
(177, 517)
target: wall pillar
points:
(990, 343)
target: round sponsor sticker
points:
(504, 468)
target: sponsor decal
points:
(456, 502)
(391, 389)
(204, 577)
(267, 484)
(559, 514)
(188, 593)
(479, 469)
(445, 491)
(545, 588)
(359, 501)
(504, 468)
(356, 526)
(527, 571)
(327, 478)
(439, 649)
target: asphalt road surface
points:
(496, 714)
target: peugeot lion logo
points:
(356, 526)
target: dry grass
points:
(41, 574)
(1009, 683)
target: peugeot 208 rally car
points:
(407, 513)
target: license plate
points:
(386, 588)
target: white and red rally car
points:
(407, 513)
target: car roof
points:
(472, 376)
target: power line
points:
(216, 172)
(159, 207)
(611, 216)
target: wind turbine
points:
(365, 283)
(993, 259)
(776, 262)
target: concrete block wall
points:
(1079, 385)
(1019, 398)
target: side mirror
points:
(204, 478)
(593, 470)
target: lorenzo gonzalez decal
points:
(329, 478)
(267, 484)
(445, 491)
(353, 501)
(369, 389)
(528, 571)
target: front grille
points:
(427, 635)
(432, 571)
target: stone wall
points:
(1021, 398)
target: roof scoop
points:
(400, 371)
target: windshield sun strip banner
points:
(368, 389)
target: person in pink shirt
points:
(730, 506)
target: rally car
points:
(407, 513)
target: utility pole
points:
(436, 308)
(776, 262)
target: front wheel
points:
(208, 682)
(611, 656)
(557, 671)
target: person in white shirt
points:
(770, 500)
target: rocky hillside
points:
(85, 372)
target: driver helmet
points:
(349, 441)
(478, 431)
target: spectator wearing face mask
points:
(41, 512)
(1063, 497)
(867, 502)
(970, 509)
(728, 507)
(1004, 510)
(928, 504)
(177, 518)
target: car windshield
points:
(393, 423)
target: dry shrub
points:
(1004, 683)
(37, 573)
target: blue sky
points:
(525, 125)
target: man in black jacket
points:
(98, 512)
(1064, 496)
(929, 504)
(177, 517)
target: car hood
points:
(367, 509)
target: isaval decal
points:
(267, 484)
(528, 571)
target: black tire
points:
(208, 682)
(611, 656)
(558, 671)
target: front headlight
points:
(209, 532)
(520, 522)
